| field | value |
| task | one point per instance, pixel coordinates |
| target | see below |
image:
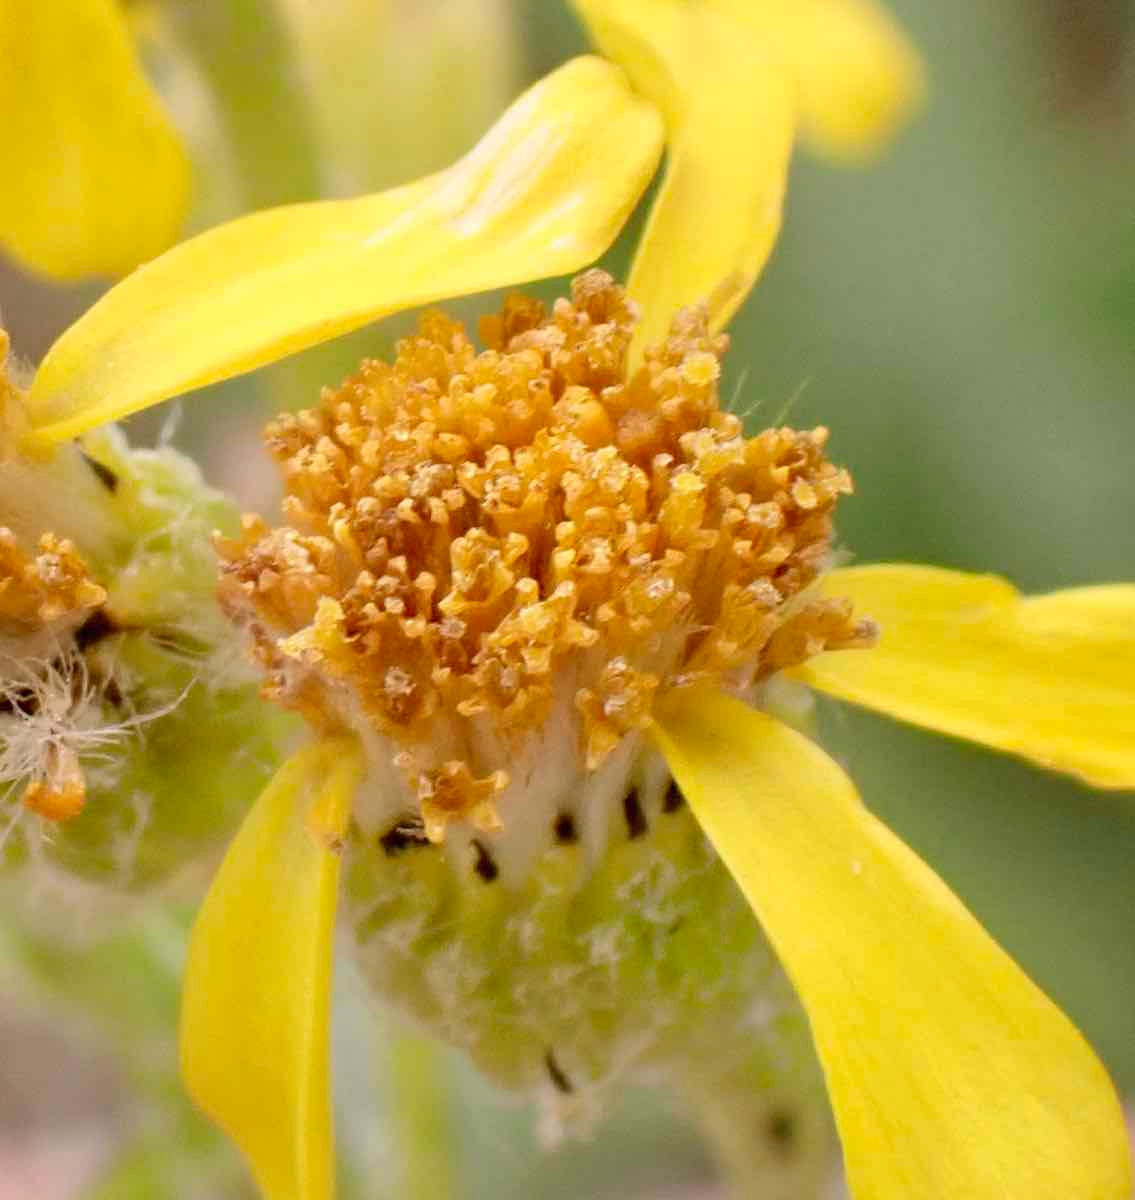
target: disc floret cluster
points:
(485, 551)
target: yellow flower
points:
(96, 177)
(950, 1073)
(544, 193)
(498, 573)
(723, 89)
(858, 77)
(839, 68)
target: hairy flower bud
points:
(131, 737)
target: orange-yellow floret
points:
(44, 598)
(48, 590)
(477, 543)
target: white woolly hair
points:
(54, 709)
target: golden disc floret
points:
(482, 547)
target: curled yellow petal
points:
(543, 193)
(860, 77)
(1051, 678)
(95, 177)
(729, 111)
(951, 1074)
(256, 1009)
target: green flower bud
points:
(132, 738)
(630, 962)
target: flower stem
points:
(771, 1140)
(422, 1118)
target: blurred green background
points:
(961, 315)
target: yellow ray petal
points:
(729, 112)
(95, 177)
(860, 77)
(1051, 677)
(255, 1014)
(951, 1075)
(543, 193)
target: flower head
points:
(520, 593)
(511, 578)
(494, 561)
